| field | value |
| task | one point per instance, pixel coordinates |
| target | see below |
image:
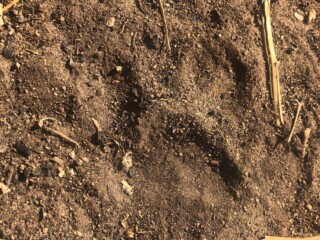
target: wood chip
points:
(1, 15)
(299, 16)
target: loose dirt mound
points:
(208, 159)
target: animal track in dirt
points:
(183, 129)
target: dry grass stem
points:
(166, 32)
(272, 61)
(300, 104)
(55, 132)
(7, 7)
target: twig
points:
(134, 40)
(123, 27)
(272, 61)
(306, 135)
(55, 132)
(300, 104)
(165, 24)
(284, 238)
(10, 176)
(7, 7)
(140, 6)
(97, 125)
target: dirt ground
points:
(208, 161)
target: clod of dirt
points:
(3, 148)
(62, 172)
(70, 64)
(127, 161)
(72, 155)
(8, 53)
(4, 188)
(85, 159)
(2, 234)
(26, 172)
(130, 234)
(22, 149)
(131, 173)
(57, 160)
(71, 172)
(111, 21)
(312, 15)
(309, 207)
(128, 189)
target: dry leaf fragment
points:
(130, 234)
(4, 188)
(127, 161)
(312, 15)
(123, 222)
(128, 189)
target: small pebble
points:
(299, 16)
(309, 207)
(70, 63)
(7, 53)
(131, 172)
(2, 234)
(111, 21)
